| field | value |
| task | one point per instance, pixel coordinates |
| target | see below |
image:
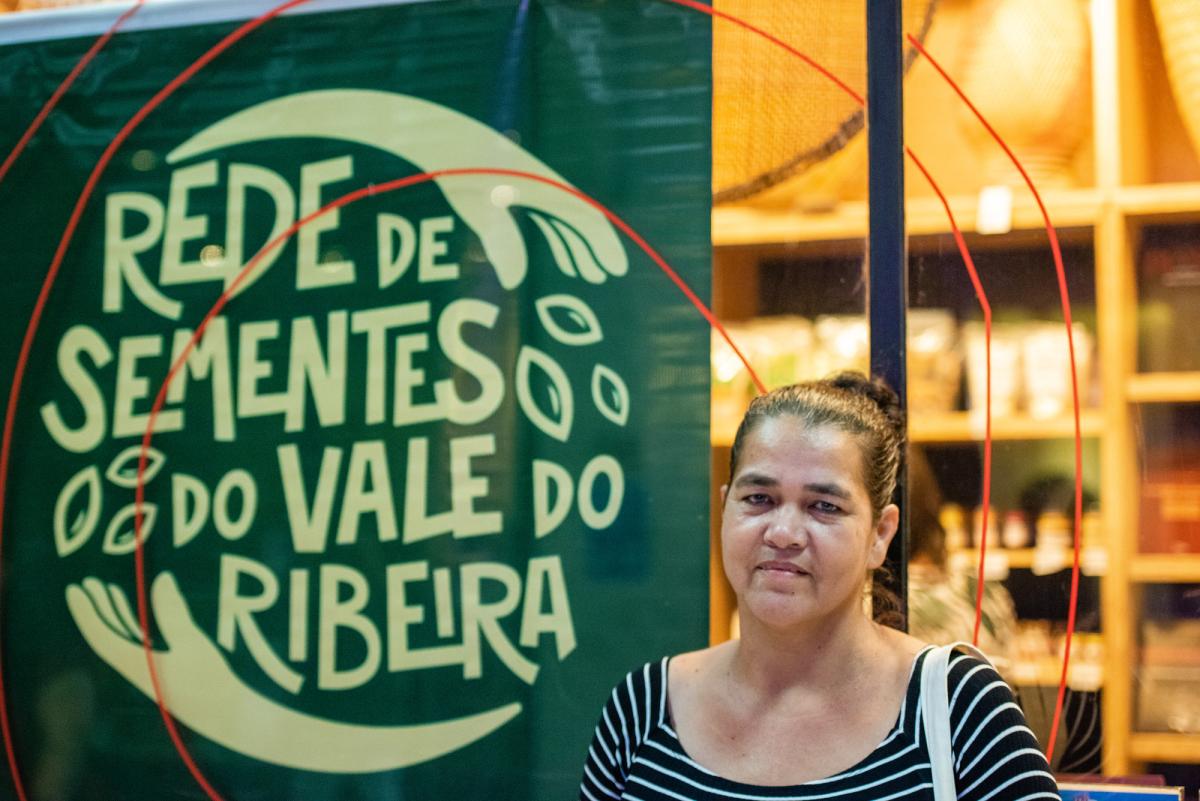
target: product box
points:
(1170, 511)
(1115, 792)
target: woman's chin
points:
(778, 610)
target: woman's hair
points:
(926, 537)
(866, 408)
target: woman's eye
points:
(757, 499)
(827, 507)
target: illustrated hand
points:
(434, 137)
(203, 693)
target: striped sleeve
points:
(1081, 716)
(624, 725)
(996, 756)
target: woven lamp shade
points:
(1022, 49)
(773, 115)
(1179, 30)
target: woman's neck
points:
(824, 655)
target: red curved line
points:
(968, 262)
(158, 98)
(345, 200)
(9, 160)
(1065, 298)
(79, 67)
(40, 306)
(987, 436)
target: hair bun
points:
(877, 391)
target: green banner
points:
(435, 478)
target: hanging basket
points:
(1028, 71)
(775, 117)
(1179, 31)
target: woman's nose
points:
(786, 529)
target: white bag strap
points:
(935, 716)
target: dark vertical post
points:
(887, 254)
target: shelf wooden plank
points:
(966, 427)
(1164, 388)
(1007, 557)
(1013, 557)
(1166, 568)
(739, 225)
(1048, 672)
(1165, 747)
(1156, 199)
(1093, 561)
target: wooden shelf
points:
(1013, 557)
(1160, 199)
(734, 225)
(1166, 568)
(964, 427)
(1093, 560)
(1048, 672)
(1143, 170)
(1164, 388)
(1165, 747)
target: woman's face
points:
(797, 532)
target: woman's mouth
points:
(781, 567)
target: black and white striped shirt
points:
(636, 754)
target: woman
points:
(941, 595)
(815, 700)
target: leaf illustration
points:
(83, 510)
(610, 394)
(569, 320)
(581, 254)
(535, 367)
(558, 248)
(119, 539)
(123, 470)
(570, 250)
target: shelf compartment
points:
(1165, 747)
(1165, 568)
(734, 225)
(1164, 388)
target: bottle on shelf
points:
(952, 518)
(1015, 533)
(1053, 531)
(993, 528)
(1092, 533)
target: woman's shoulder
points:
(700, 662)
(649, 682)
(642, 690)
(644, 680)
(994, 748)
(971, 673)
(904, 654)
(690, 671)
(978, 693)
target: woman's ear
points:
(724, 493)
(885, 529)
